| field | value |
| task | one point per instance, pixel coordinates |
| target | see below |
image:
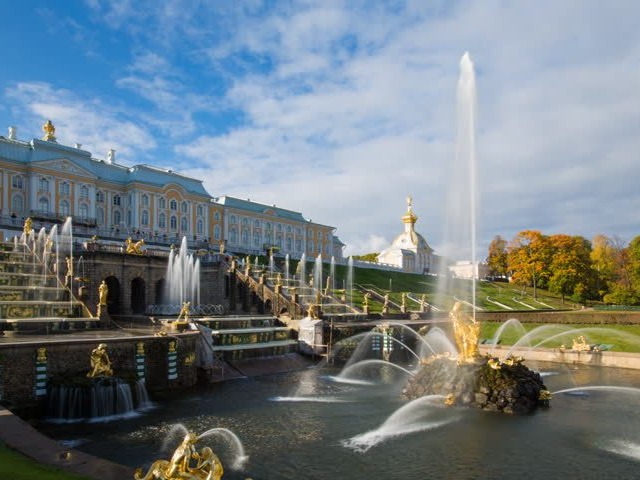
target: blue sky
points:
(340, 109)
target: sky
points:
(342, 109)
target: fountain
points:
(352, 422)
(183, 278)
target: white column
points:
(6, 205)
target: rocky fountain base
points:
(486, 383)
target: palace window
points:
(256, 224)
(17, 182)
(216, 232)
(117, 200)
(43, 205)
(245, 221)
(83, 210)
(144, 218)
(289, 244)
(162, 221)
(279, 241)
(173, 222)
(233, 219)
(233, 235)
(145, 200)
(99, 197)
(43, 185)
(64, 208)
(100, 216)
(200, 210)
(84, 192)
(184, 225)
(162, 203)
(289, 229)
(200, 227)
(64, 188)
(216, 216)
(185, 207)
(298, 245)
(117, 218)
(17, 204)
(256, 239)
(173, 205)
(245, 237)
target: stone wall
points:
(67, 359)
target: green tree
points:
(497, 257)
(624, 289)
(603, 260)
(367, 257)
(570, 267)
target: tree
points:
(497, 258)
(570, 267)
(529, 257)
(367, 257)
(622, 290)
(603, 260)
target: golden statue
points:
(466, 332)
(134, 248)
(365, 299)
(208, 465)
(312, 311)
(100, 363)
(580, 344)
(28, 226)
(184, 312)
(279, 279)
(49, 131)
(103, 291)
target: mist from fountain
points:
(302, 270)
(349, 285)
(286, 269)
(317, 275)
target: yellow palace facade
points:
(48, 182)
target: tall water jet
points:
(317, 274)
(459, 242)
(302, 269)
(332, 274)
(349, 285)
(286, 268)
(182, 277)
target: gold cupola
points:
(49, 132)
(409, 217)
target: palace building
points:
(409, 250)
(48, 182)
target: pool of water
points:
(307, 425)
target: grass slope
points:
(16, 466)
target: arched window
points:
(99, 197)
(233, 235)
(144, 218)
(100, 216)
(279, 241)
(84, 192)
(289, 229)
(64, 208)
(173, 222)
(279, 227)
(256, 224)
(17, 205)
(245, 221)
(289, 244)
(216, 232)
(245, 237)
(117, 217)
(216, 216)
(43, 185)
(64, 188)
(184, 225)
(185, 207)
(145, 200)
(256, 239)
(83, 210)
(162, 203)
(298, 245)
(200, 227)
(232, 219)
(43, 205)
(173, 205)
(117, 200)
(162, 221)
(200, 210)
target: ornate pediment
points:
(64, 166)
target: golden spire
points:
(49, 131)
(409, 217)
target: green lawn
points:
(16, 466)
(623, 338)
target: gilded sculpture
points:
(28, 226)
(207, 464)
(49, 131)
(134, 248)
(100, 363)
(103, 291)
(466, 332)
(184, 312)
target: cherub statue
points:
(184, 312)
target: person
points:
(103, 291)
(100, 363)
